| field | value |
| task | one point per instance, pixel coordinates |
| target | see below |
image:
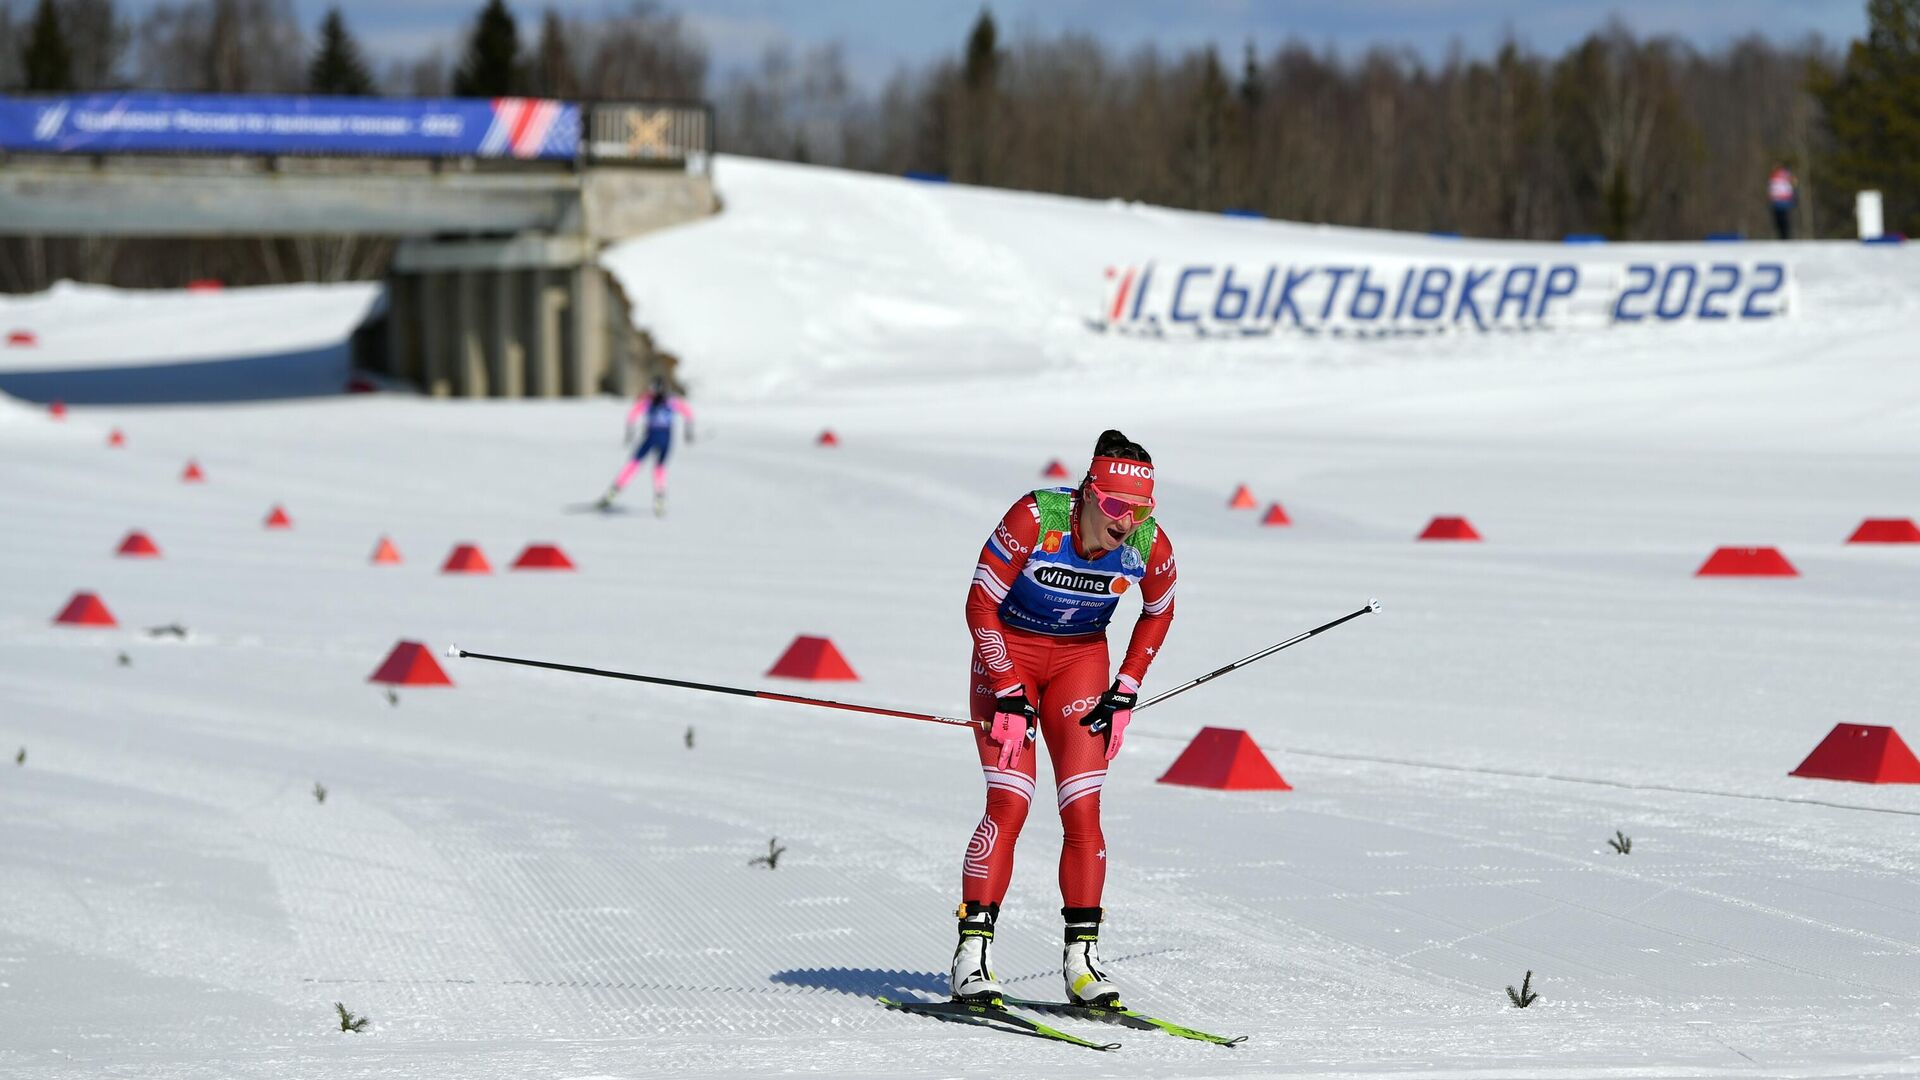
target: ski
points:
(986, 1015)
(1124, 1017)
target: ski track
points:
(471, 895)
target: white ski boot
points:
(605, 502)
(973, 980)
(1080, 962)
(659, 504)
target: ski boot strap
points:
(977, 919)
(1083, 923)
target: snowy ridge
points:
(816, 276)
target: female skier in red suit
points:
(1048, 581)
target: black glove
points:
(1100, 717)
(1017, 704)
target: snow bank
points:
(100, 345)
(815, 276)
(14, 411)
(94, 325)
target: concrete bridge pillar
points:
(529, 316)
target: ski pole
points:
(1372, 605)
(767, 695)
(797, 699)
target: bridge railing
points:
(676, 134)
(664, 133)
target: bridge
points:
(495, 288)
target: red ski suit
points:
(1064, 675)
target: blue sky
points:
(880, 35)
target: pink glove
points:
(1013, 723)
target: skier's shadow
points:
(865, 982)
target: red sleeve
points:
(1001, 558)
(1156, 611)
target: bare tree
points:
(790, 107)
(221, 46)
(10, 45)
(1622, 132)
(423, 76)
(551, 71)
(644, 52)
(98, 39)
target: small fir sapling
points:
(771, 860)
(1525, 996)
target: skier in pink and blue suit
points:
(657, 408)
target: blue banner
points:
(528, 128)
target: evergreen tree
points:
(983, 53)
(978, 102)
(1873, 109)
(553, 73)
(491, 66)
(45, 61)
(1251, 92)
(338, 67)
(1207, 134)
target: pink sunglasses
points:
(1117, 508)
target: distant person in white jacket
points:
(1783, 192)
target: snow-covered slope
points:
(534, 874)
(815, 277)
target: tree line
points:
(1630, 137)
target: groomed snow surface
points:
(533, 874)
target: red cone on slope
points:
(138, 545)
(1450, 528)
(466, 559)
(1226, 759)
(813, 658)
(1746, 562)
(543, 557)
(1886, 531)
(1863, 753)
(410, 664)
(85, 609)
(385, 553)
